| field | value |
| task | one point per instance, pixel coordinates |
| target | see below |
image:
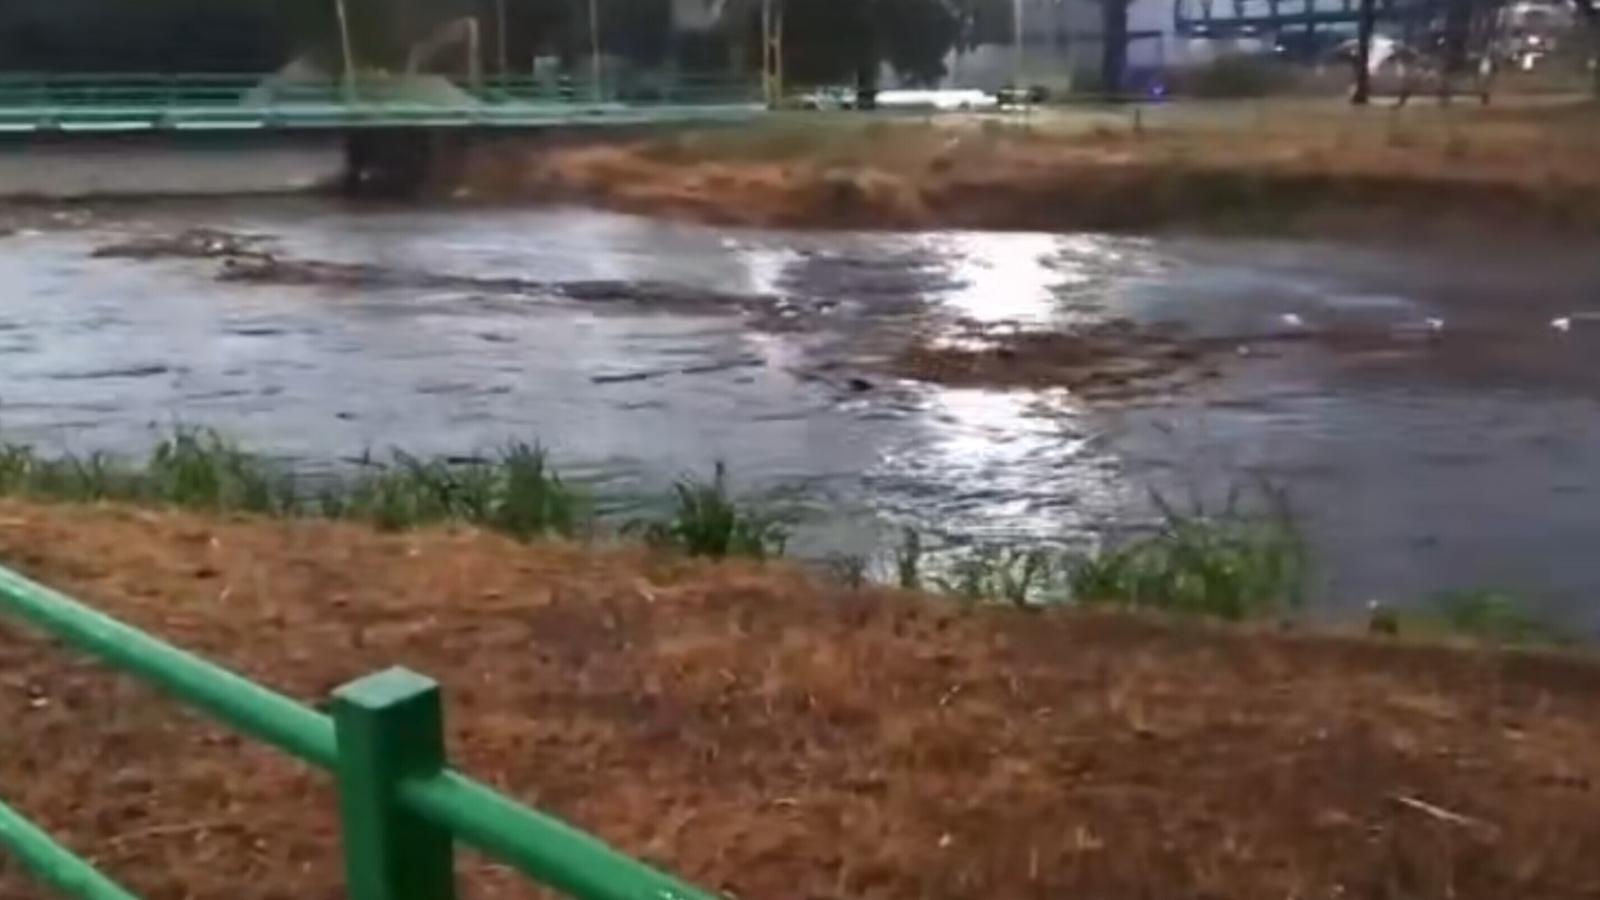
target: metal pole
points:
(52, 863)
(237, 701)
(500, 38)
(766, 52)
(390, 726)
(594, 46)
(1017, 7)
(1364, 28)
(348, 51)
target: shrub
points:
(1238, 76)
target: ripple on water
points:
(1001, 464)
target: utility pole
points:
(772, 52)
(500, 38)
(1362, 94)
(594, 47)
(1018, 11)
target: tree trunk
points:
(1590, 14)
(1593, 21)
(1457, 21)
(1114, 45)
(1363, 90)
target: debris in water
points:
(1112, 360)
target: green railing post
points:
(390, 726)
(54, 864)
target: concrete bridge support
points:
(401, 162)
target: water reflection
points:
(1470, 459)
(1007, 465)
(1038, 279)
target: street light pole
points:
(347, 51)
(1018, 8)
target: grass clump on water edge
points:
(1483, 615)
(191, 468)
(706, 520)
(1230, 566)
(516, 492)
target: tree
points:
(1589, 12)
(149, 36)
(839, 40)
(1364, 28)
(1113, 45)
(916, 36)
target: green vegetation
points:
(1011, 575)
(707, 521)
(515, 492)
(191, 468)
(1229, 566)
(1484, 615)
(908, 560)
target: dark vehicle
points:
(1032, 95)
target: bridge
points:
(70, 103)
(396, 129)
(1295, 22)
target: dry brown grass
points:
(771, 737)
(1259, 165)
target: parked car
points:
(1031, 95)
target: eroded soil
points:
(1253, 166)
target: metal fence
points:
(401, 806)
(36, 102)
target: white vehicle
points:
(946, 100)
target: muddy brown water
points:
(1441, 428)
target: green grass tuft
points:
(200, 469)
(1013, 575)
(1480, 614)
(707, 521)
(1230, 566)
(516, 492)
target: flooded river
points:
(1456, 443)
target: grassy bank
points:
(770, 734)
(1243, 560)
(1261, 165)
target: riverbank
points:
(770, 735)
(1253, 166)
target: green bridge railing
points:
(402, 808)
(54, 102)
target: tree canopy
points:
(825, 40)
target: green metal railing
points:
(33, 102)
(401, 807)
